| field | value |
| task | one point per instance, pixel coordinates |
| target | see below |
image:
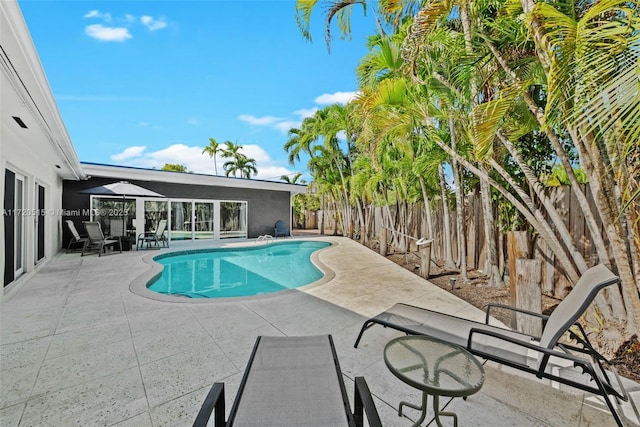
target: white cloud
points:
(255, 152)
(306, 112)
(335, 98)
(130, 152)
(153, 24)
(96, 14)
(285, 126)
(195, 161)
(121, 33)
(107, 34)
(274, 122)
(259, 121)
(192, 121)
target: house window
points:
(233, 219)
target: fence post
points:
(529, 295)
(383, 241)
(425, 256)
(517, 247)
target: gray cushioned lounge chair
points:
(76, 240)
(578, 364)
(154, 237)
(97, 240)
(291, 381)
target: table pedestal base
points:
(423, 409)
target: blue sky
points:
(144, 83)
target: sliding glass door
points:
(181, 221)
(203, 226)
(233, 219)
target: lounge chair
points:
(291, 381)
(76, 239)
(98, 242)
(544, 356)
(154, 237)
(280, 229)
(116, 227)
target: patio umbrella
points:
(121, 188)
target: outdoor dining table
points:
(435, 367)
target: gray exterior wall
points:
(264, 207)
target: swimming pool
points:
(236, 272)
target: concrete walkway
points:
(79, 348)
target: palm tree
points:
(295, 179)
(230, 150)
(212, 150)
(320, 134)
(583, 58)
(594, 69)
(242, 165)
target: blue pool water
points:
(234, 272)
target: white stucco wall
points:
(42, 152)
(25, 160)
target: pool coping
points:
(139, 285)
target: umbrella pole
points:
(124, 225)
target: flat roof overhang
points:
(140, 174)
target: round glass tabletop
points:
(434, 366)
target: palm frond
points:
(342, 11)
(303, 16)
(423, 22)
(487, 118)
(607, 93)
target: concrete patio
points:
(79, 348)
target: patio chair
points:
(154, 237)
(98, 242)
(291, 381)
(280, 229)
(116, 227)
(544, 356)
(76, 238)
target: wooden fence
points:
(554, 282)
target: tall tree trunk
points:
(602, 188)
(446, 219)
(492, 269)
(539, 226)
(427, 207)
(581, 197)
(361, 220)
(457, 180)
(617, 305)
(604, 193)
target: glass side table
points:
(435, 367)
